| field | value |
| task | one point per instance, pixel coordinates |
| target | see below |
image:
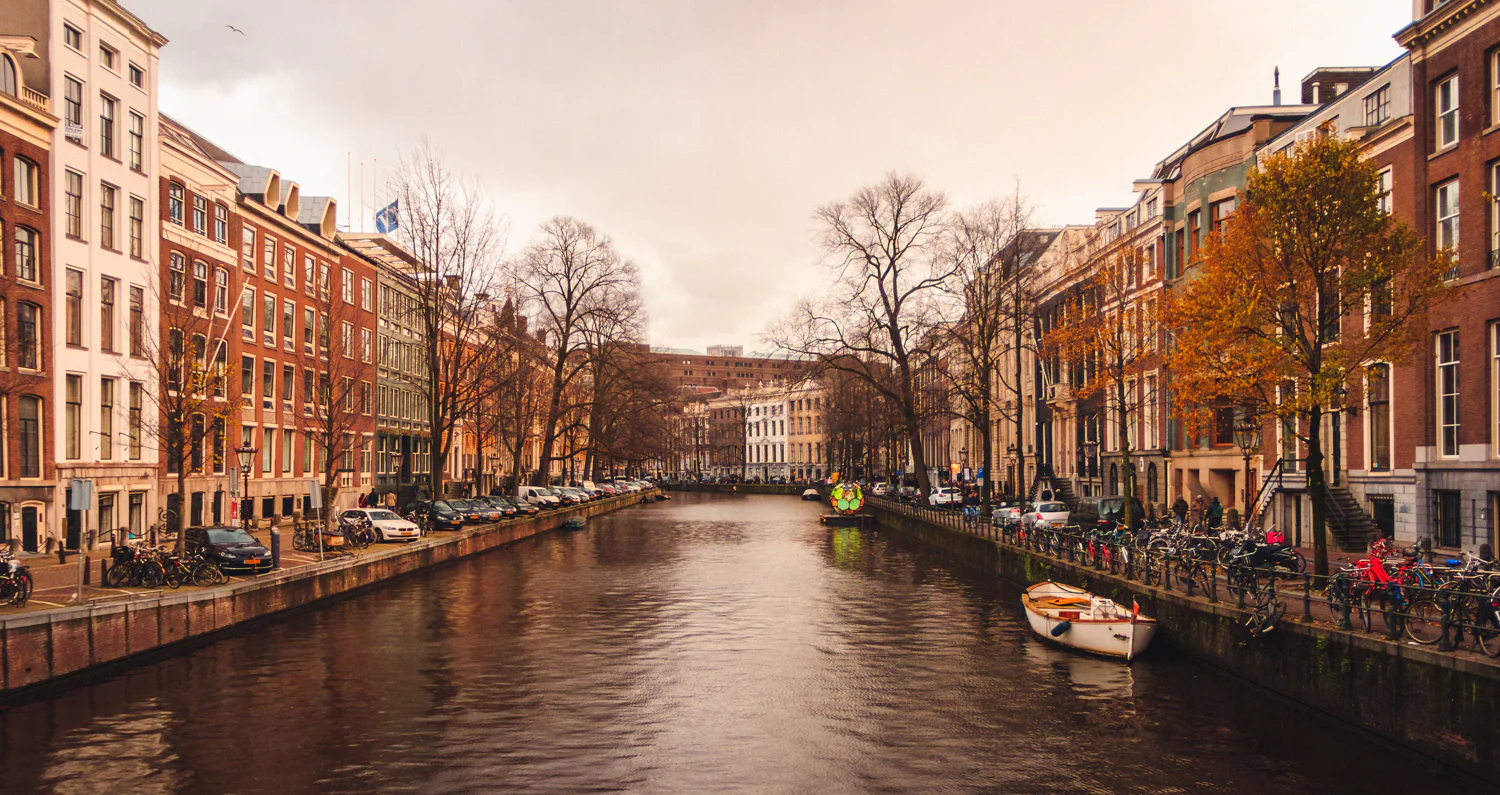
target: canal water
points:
(711, 644)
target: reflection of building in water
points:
(131, 750)
(846, 548)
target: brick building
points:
(27, 473)
(725, 367)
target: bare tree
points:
(451, 230)
(335, 403)
(987, 248)
(876, 322)
(583, 296)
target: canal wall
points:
(46, 647)
(1440, 705)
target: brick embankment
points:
(1438, 704)
(50, 645)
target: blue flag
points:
(386, 220)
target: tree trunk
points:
(1317, 487)
(181, 545)
(1122, 417)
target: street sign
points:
(315, 493)
(80, 494)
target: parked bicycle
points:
(15, 580)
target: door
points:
(74, 535)
(1449, 532)
(30, 520)
(197, 509)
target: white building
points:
(766, 432)
(101, 64)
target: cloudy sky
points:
(702, 135)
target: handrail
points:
(1264, 494)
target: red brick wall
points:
(12, 291)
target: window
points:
(1447, 389)
(308, 319)
(268, 380)
(268, 258)
(74, 306)
(73, 106)
(307, 387)
(1495, 386)
(73, 418)
(247, 315)
(309, 271)
(288, 266)
(174, 360)
(346, 340)
(200, 284)
(323, 332)
(1194, 224)
(28, 336)
(247, 378)
(26, 252)
(364, 294)
(31, 436)
(200, 215)
(8, 83)
(137, 406)
(1378, 106)
(348, 285)
(1385, 186)
(73, 37)
(364, 345)
(174, 203)
(288, 378)
(219, 439)
(107, 125)
(137, 76)
(137, 227)
(221, 223)
(1378, 396)
(1447, 222)
(364, 397)
(106, 419)
(288, 319)
(137, 321)
(176, 274)
(221, 290)
(1219, 211)
(107, 287)
(106, 215)
(74, 204)
(1446, 97)
(286, 450)
(247, 248)
(268, 318)
(323, 279)
(26, 187)
(109, 56)
(266, 453)
(199, 433)
(137, 141)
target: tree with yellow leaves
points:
(1308, 283)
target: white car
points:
(539, 496)
(1005, 515)
(1047, 514)
(390, 526)
(945, 495)
(880, 489)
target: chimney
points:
(1276, 92)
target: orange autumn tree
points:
(1310, 282)
(1109, 333)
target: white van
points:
(540, 497)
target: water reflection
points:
(709, 644)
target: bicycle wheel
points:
(172, 576)
(118, 575)
(1301, 565)
(1201, 578)
(24, 585)
(1487, 623)
(1424, 622)
(152, 575)
(1364, 608)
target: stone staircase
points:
(1352, 528)
(1062, 488)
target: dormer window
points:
(8, 81)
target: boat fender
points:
(1062, 627)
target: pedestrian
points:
(362, 501)
(1198, 508)
(1180, 509)
(1215, 513)
(390, 500)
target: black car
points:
(440, 514)
(232, 548)
(1107, 512)
(507, 511)
(522, 507)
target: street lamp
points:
(246, 454)
(1247, 438)
(963, 460)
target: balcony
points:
(36, 99)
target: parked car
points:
(521, 507)
(443, 516)
(1107, 512)
(387, 524)
(945, 496)
(540, 496)
(881, 489)
(1005, 515)
(232, 548)
(507, 511)
(907, 494)
(1047, 514)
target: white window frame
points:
(1444, 421)
(1445, 201)
(1445, 100)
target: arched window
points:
(8, 82)
(31, 436)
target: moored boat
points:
(1078, 619)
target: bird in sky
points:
(235, 29)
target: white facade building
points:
(102, 66)
(766, 433)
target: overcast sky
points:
(702, 135)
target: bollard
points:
(1344, 622)
(1213, 582)
(88, 569)
(1190, 582)
(275, 549)
(103, 570)
(1391, 631)
(1445, 643)
(1307, 598)
(1166, 574)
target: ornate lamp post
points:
(246, 454)
(1247, 438)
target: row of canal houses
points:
(1416, 447)
(127, 235)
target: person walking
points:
(390, 500)
(1215, 513)
(1199, 506)
(1180, 509)
(362, 501)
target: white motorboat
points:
(1076, 618)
